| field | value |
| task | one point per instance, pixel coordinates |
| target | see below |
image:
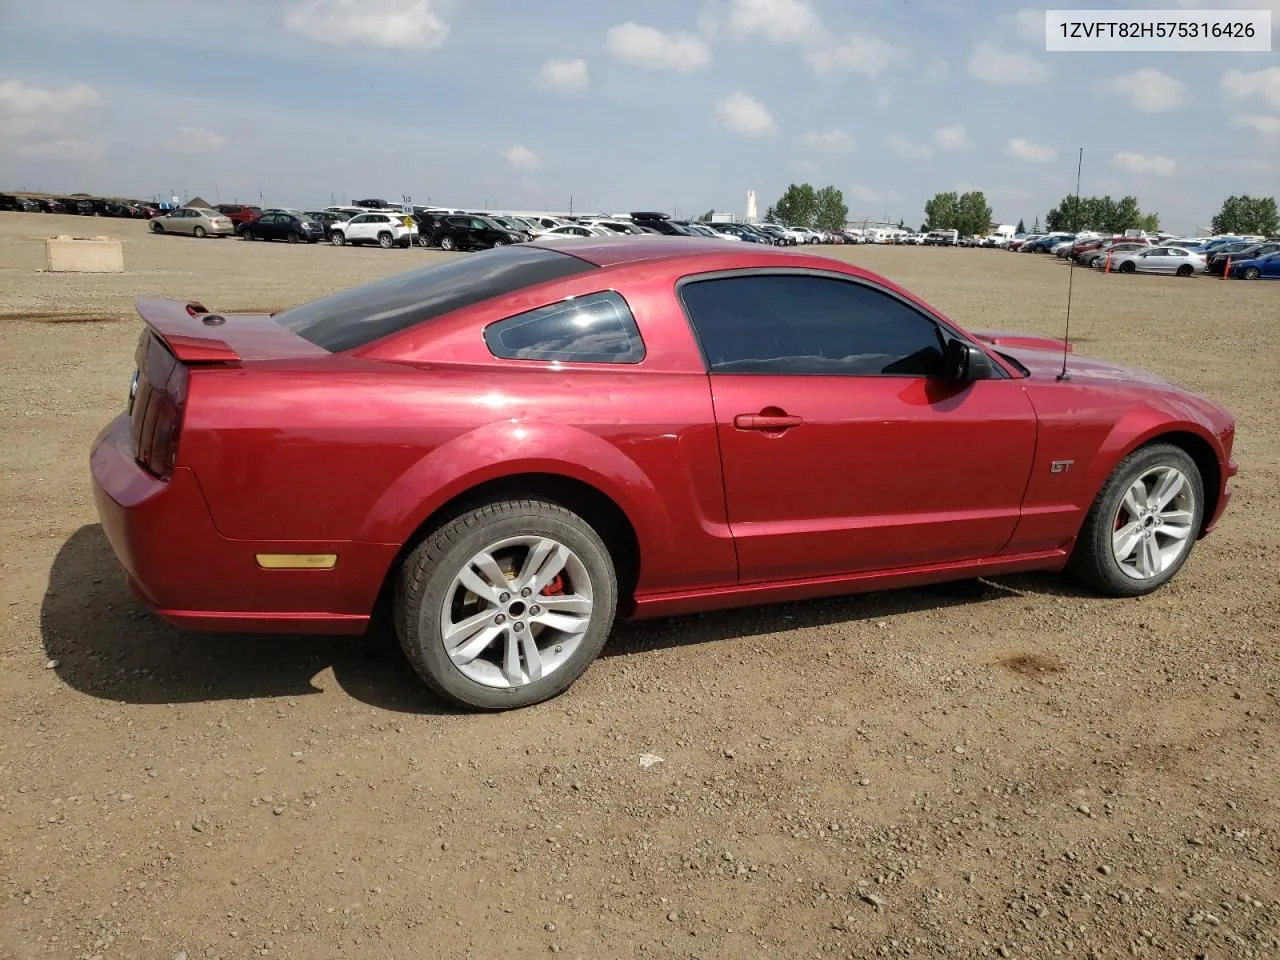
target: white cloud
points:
(1264, 84)
(565, 74)
(1137, 163)
(993, 65)
(830, 141)
(1022, 149)
(744, 114)
(649, 47)
(864, 194)
(780, 21)
(386, 24)
(184, 139)
(869, 56)
(1009, 193)
(937, 69)
(1266, 127)
(1147, 90)
(520, 157)
(906, 148)
(18, 99)
(954, 137)
(1027, 24)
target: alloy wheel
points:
(516, 611)
(1152, 525)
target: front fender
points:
(1137, 428)
(512, 447)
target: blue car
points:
(1213, 246)
(1260, 268)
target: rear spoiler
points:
(187, 330)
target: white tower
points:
(752, 212)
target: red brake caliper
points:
(555, 587)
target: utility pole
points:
(571, 204)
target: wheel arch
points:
(1195, 444)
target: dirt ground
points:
(1013, 768)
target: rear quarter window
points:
(595, 328)
(361, 315)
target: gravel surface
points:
(1012, 768)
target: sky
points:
(675, 105)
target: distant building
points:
(752, 213)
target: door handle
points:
(766, 422)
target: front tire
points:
(294, 237)
(337, 239)
(447, 243)
(507, 605)
(1252, 273)
(1127, 267)
(157, 227)
(1143, 523)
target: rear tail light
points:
(157, 406)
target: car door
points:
(844, 448)
(357, 228)
(1151, 261)
(1270, 266)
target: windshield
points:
(364, 314)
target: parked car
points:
(1099, 255)
(571, 231)
(1175, 260)
(521, 445)
(328, 219)
(79, 206)
(283, 226)
(942, 238)
(239, 213)
(385, 229)
(461, 232)
(50, 205)
(1217, 262)
(197, 221)
(1266, 267)
(661, 223)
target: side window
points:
(595, 328)
(1158, 252)
(795, 324)
(358, 218)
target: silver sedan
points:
(1175, 260)
(195, 221)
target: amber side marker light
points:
(297, 561)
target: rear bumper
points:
(182, 567)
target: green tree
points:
(1022, 227)
(1150, 223)
(974, 214)
(943, 211)
(831, 212)
(1247, 215)
(924, 228)
(706, 217)
(771, 215)
(1102, 214)
(798, 206)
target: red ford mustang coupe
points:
(517, 446)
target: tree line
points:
(969, 214)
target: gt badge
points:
(1060, 466)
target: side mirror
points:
(965, 363)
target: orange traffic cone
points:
(1108, 269)
(1227, 270)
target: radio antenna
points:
(1071, 273)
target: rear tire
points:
(386, 241)
(427, 596)
(199, 233)
(1185, 270)
(1094, 558)
(424, 241)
